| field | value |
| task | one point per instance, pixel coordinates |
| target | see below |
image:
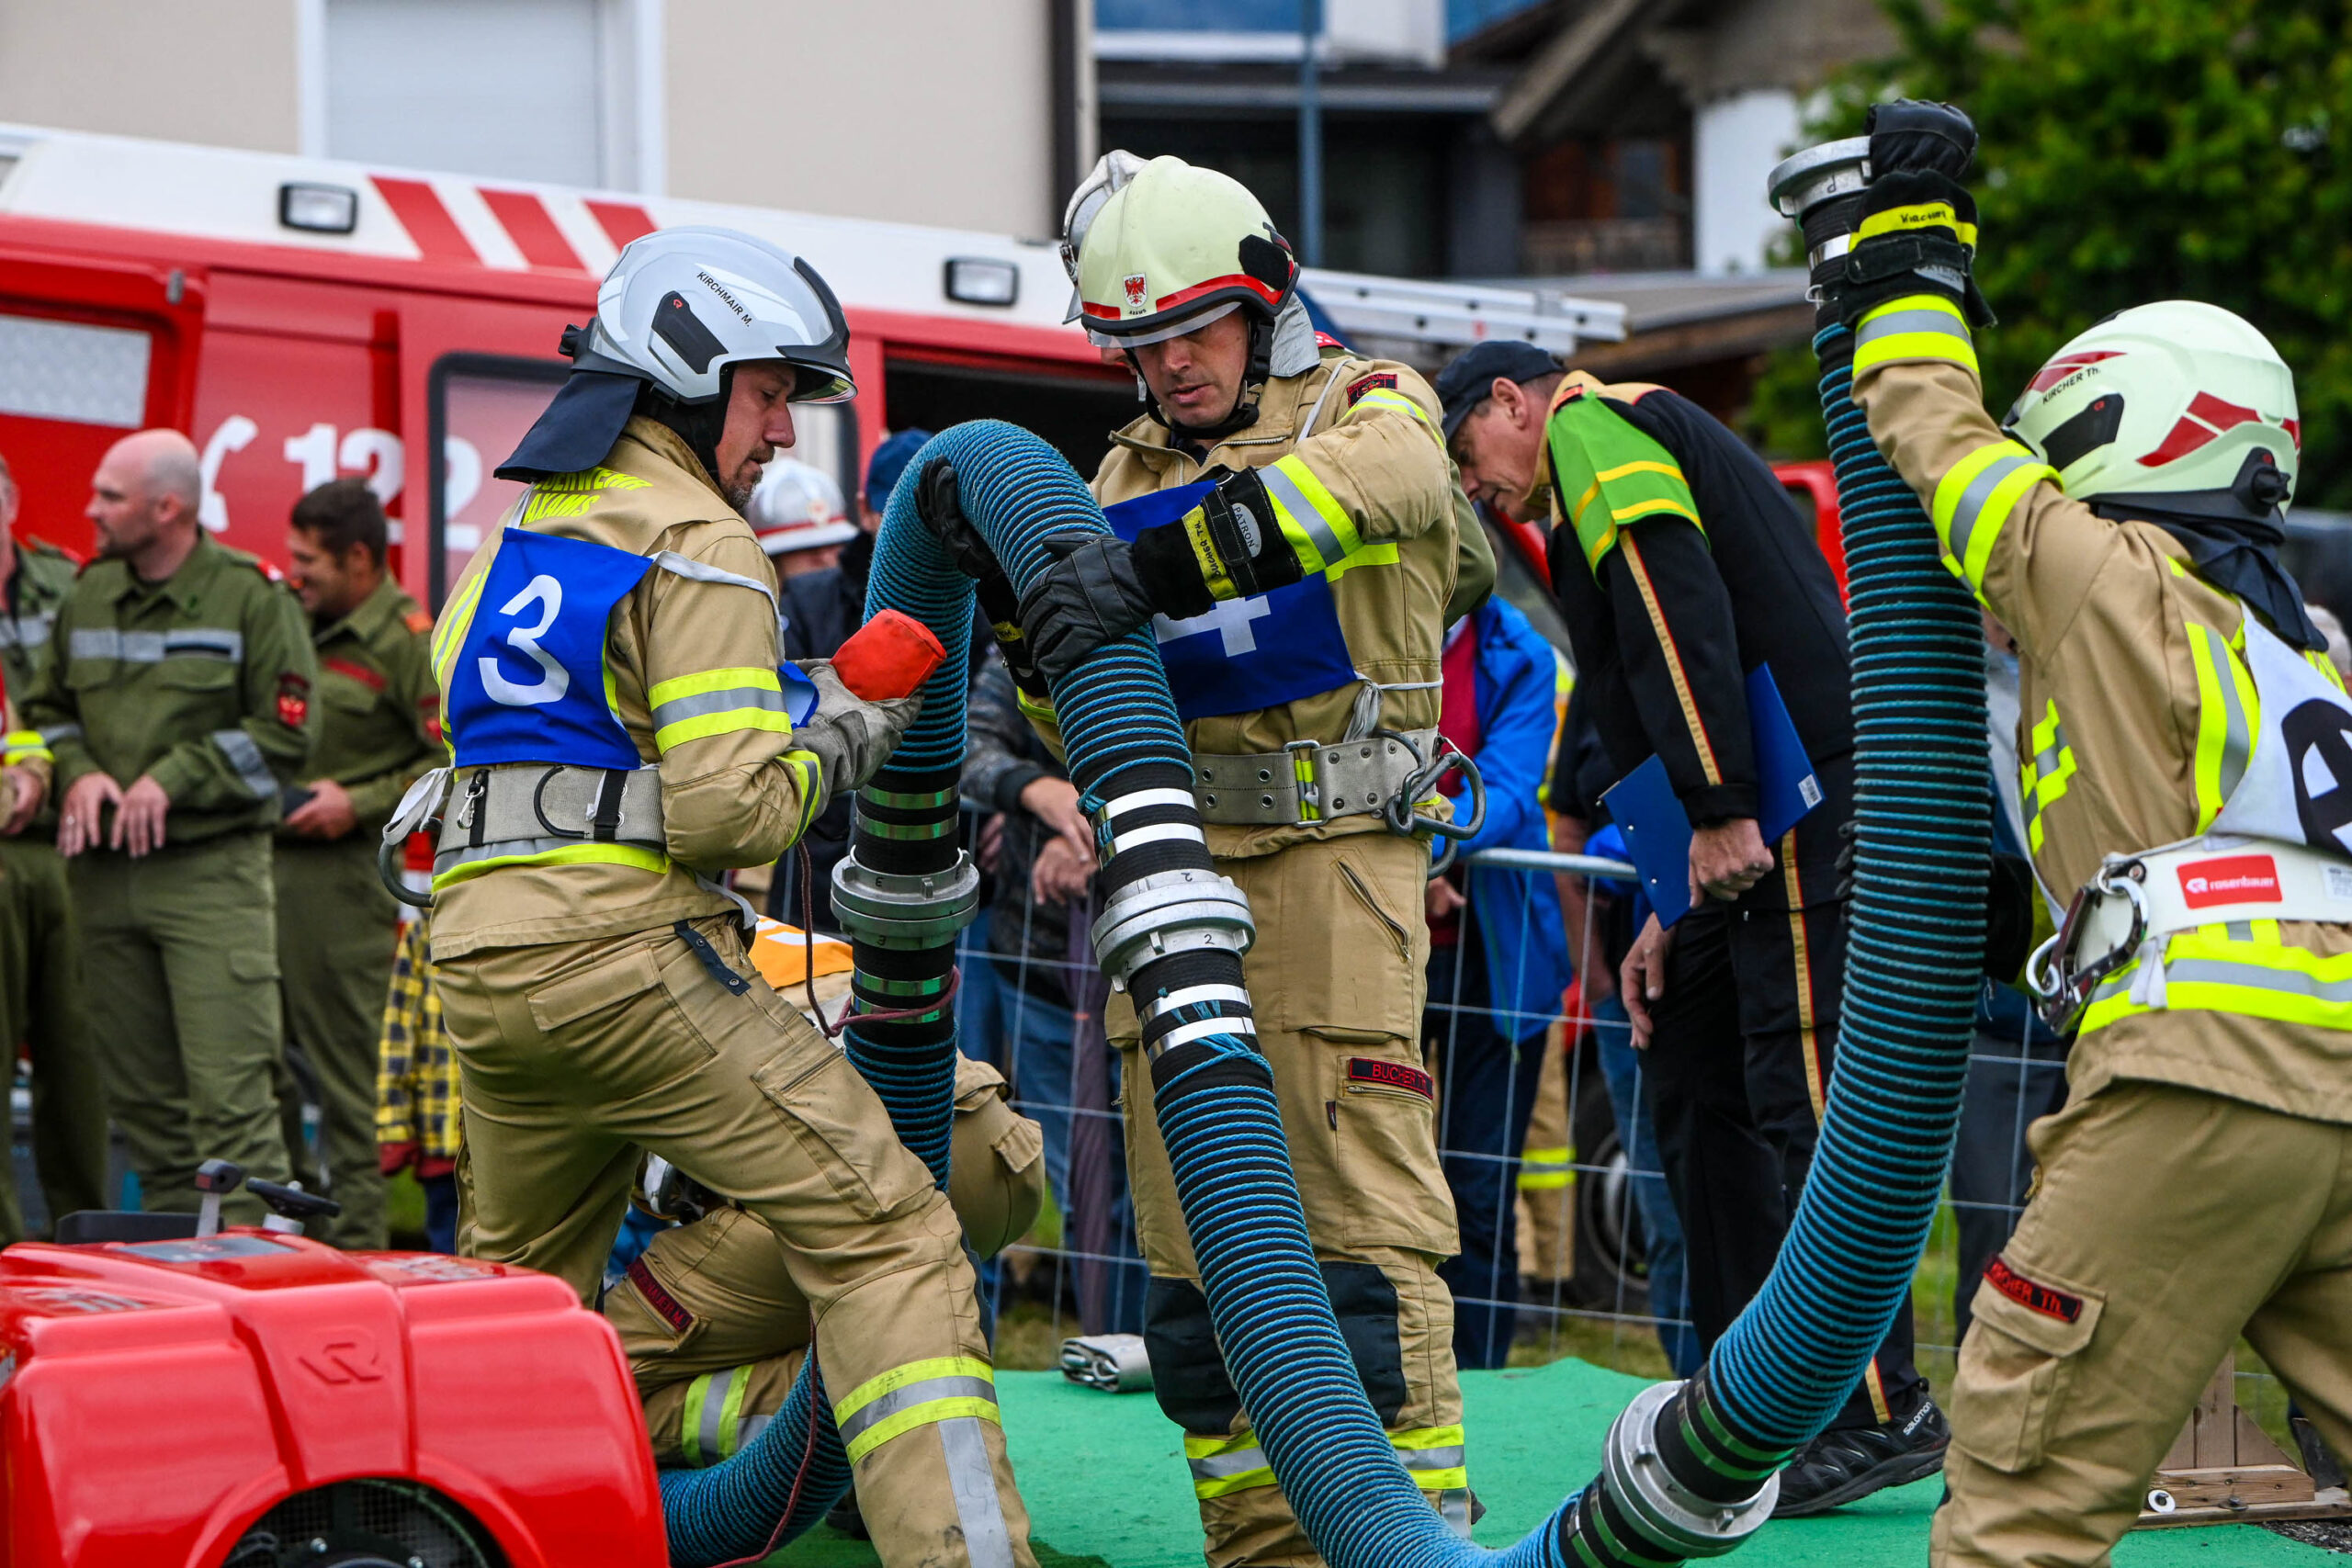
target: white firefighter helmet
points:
(2176, 400)
(1171, 249)
(798, 506)
(683, 304)
(678, 308)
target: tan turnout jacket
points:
(2126, 656)
(735, 796)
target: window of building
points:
(552, 90)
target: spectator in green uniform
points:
(378, 729)
(177, 704)
(41, 1006)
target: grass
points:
(1031, 1326)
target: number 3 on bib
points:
(554, 678)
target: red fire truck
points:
(302, 318)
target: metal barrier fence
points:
(1575, 1215)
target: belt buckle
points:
(1304, 776)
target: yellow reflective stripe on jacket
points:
(2044, 776)
(1547, 1170)
(916, 1394)
(1433, 1455)
(1316, 526)
(717, 702)
(24, 746)
(2326, 666)
(1918, 326)
(566, 853)
(2228, 708)
(1972, 503)
(1919, 215)
(1382, 398)
(1222, 1465)
(2255, 976)
(449, 630)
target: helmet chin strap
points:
(1245, 406)
(699, 425)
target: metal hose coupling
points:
(1658, 1506)
(904, 910)
(1171, 911)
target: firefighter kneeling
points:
(712, 1322)
(2185, 742)
(623, 731)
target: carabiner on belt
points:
(2063, 986)
(1400, 811)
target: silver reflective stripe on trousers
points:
(987, 1543)
(713, 1430)
(245, 757)
(679, 709)
(1293, 500)
(1970, 509)
(1221, 1467)
(884, 1406)
(154, 647)
(1454, 1507)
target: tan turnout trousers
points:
(1338, 976)
(579, 1055)
(2105, 1315)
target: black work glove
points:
(939, 502)
(1091, 595)
(1916, 232)
(1920, 136)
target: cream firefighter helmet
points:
(1172, 248)
(2179, 403)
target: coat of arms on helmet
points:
(1135, 299)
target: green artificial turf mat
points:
(1104, 1479)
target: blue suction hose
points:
(1690, 1467)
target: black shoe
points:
(1837, 1468)
(844, 1517)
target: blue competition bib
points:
(529, 682)
(1245, 654)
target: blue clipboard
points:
(1657, 830)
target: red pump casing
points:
(157, 1398)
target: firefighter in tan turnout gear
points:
(1287, 519)
(622, 732)
(2187, 762)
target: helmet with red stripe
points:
(1172, 248)
(2179, 404)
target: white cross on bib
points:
(1229, 619)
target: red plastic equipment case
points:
(252, 1399)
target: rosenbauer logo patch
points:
(2231, 879)
(1391, 1075)
(1378, 379)
(2048, 1303)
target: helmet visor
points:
(1163, 330)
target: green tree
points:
(2138, 150)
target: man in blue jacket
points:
(1498, 962)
